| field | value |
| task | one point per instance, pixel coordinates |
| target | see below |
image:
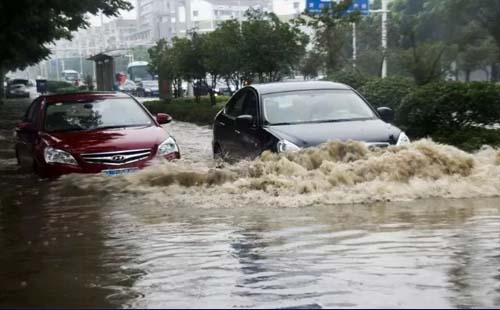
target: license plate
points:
(119, 171)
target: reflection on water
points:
(67, 247)
(439, 253)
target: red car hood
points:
(107, 140)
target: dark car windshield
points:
(314, 106)
(89, 115)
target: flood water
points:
(255, 234)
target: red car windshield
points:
(98, 114)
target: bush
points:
(188, 110)
(351, 78)
(387, 92)
(69, 89)
(449, 107)
(469, 139)
(55, 86)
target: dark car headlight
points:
(52, 155)
(286, 146)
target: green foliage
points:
(262, 47)
(449, 107)
(311, 65)
(331, 27)
(57, 86)
(388, 92)
(29, 26)
(270, 47)
(351, 78)
(222, 52)
(470, 139)
(188, 110)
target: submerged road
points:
(257, 240)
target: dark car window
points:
(235, 107)
(106, 113)
(250, 104)
(315, 106)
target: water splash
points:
(333, 173)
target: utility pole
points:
(354, 45)
(384, 38)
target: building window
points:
(195, 13)
(296, 5)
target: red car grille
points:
(116, 158)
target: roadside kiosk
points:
(105, 71)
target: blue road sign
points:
(315, 6)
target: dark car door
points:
(225, 125)
(249, 144)
(27, 134)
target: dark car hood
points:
(108, 140)
(311, 134)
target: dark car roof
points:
(84, 96)
(293, 86)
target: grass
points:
(187, 109)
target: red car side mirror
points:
(26, 127)
(163, 118)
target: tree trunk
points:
(211, 90)
(2, 90)
(494, 73)
(467, 75)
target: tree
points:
(332, 26)
(485, 12)
(28, 26)
(425, 34)
(164, 64)
(311, 65)
(270, 48)
(222, 52)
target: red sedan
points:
(96, 132)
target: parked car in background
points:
(20, 88)
(149, 88)
(17, 91)
(95, 132)
(71, 76)
(283, 117)
(128, 87)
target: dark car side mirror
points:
(163, 118)
(386, 114)
(244, 121)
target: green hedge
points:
(188, 110)
(351, 78)
(449, 107)
(57, 86)
(387, 92)
(469, 139)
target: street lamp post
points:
(384, 12)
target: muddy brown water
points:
(280, 232)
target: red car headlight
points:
(52, 155)
(168, 146)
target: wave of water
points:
(333, 173)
